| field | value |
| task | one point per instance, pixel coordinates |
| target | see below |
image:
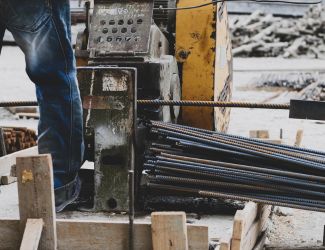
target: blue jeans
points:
(41, 29)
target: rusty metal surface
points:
(109, 101)
(120, 27)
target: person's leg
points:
(42, 30)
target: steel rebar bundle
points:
(195, 162)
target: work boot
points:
(67, 194)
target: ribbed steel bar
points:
(254, 141)
(209, 194)
(231, 179)
(18, 103)
(214, 104)
(234, 156)
(275, 156)
(177, 103)
(249, 145)
(245, 167)
(193, 162)
(275, 190)
(261, 178)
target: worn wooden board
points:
(225, 242)
(244, 219)
(7, 179)
(83, 234)
(3, 150)
(299, 136)
(169, 231)
(6, 162)
(261, 134)
(36, 195)
(10, 237)
(223, 79)
(32, 234)
(198, 237)
(261, 241)
(248, 241)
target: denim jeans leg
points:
(41, 28)
(2, 33)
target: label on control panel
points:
(112, 83)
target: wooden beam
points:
(261, 241)
(7, 179)
(295, 248)
(32, 234)
(169, 231)
(248, 240)
(3, 150)
(198, 237)
(274, 141)
(83, 234)
(225, 242)
(261, 134)
(6, 162)
(10, 237)
(36, 195)
(243, 220)
(299, 136)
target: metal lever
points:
(311, 110)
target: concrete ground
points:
(289, 227)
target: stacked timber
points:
(261, 35)
(311, 86)
(18, 138)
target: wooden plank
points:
(169, 231)
(9, 234)
(244, 219)
(83, 234)
(274, 141)
(260, 242)
(299, 136)
(295, 248)
(3, 150)
(32, 234)
(223, 68)
(36, 195)
(76, 234)
(6, 162)
(7, 179)
(248, 241)
(198, 237)
(261, 134)
(225, 243)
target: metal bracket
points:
(109, 102)
(310, 110)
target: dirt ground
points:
(289, 227)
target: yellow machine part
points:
(204, 49)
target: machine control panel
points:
(120, 27)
